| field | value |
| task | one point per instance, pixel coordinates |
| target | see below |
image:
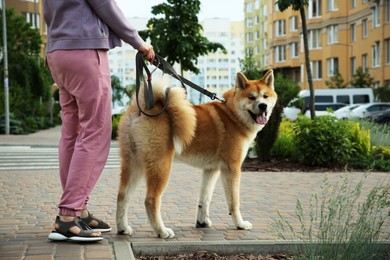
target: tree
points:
(362, 79)
(177, 35)
(299, 5)
(249, 67)
(29, 80)
(336, 81)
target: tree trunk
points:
(307, 61)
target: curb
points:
(123, 251)
(225, 247)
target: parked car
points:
(381, 117)
(345, 112)
(322, 109)
(364, 110)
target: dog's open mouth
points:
(260, 118)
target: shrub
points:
(115, 126)
(338, 225)
(323, 141)
(284, 145)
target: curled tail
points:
(179, 109)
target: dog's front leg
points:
(207, 187)
(231, 184)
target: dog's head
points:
(254, 99)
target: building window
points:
(249, 22)
(353, 32)
(280, 28)
(294, 50)
(333, 5)
(32, 19)
(314, 8)
(293, 23)
(314, 38)
(276, 6)
(333, 66)
(257, 35)
(316, 67)
(364, 28)
(387, 42)
(376, 55)
(376, 22)
(280, 53)
(353, 3)
(249, 37)
(387, 6)
(365, 62)
(353, 65)
(249, 7)
(333, 34)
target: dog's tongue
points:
(261, 119)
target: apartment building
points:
(342, 35)
(32, 10)
(217, 70)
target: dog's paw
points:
(125, 231)
(166, 233)
(245, 225)
(205, 224)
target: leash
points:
(166, 68)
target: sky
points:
(232, 9)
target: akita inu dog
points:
(214, 136)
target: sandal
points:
(63, 233)
(101, 226)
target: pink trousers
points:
(84, 80)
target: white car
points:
(363, 110)
(345, 112)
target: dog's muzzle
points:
(260, 118)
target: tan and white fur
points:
(214, 136)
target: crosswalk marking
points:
(40, 158)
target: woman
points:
(79, 34)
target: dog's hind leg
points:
(231, 184)
(156, 180)
(209, 180)
(128, 182)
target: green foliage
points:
(286, 89)
(177, 34)
(249, 67)
(323, 141)
(382, 94)
(336, 81)
(29, 79)
(338, 224)
(284, 146)
(295, 4)
(362, 79)
(115, 126)
(379, 133)
(360, 140)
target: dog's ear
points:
(268, 79)
(241, 80)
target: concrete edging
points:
(222, 247)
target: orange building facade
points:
(342, 36)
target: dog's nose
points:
(262, 107)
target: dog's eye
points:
(252, 97)
(265, 96)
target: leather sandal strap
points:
(64, 228)
(88, 220)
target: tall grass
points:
(338, 225)
(379, 133)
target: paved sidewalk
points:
(28, 207)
